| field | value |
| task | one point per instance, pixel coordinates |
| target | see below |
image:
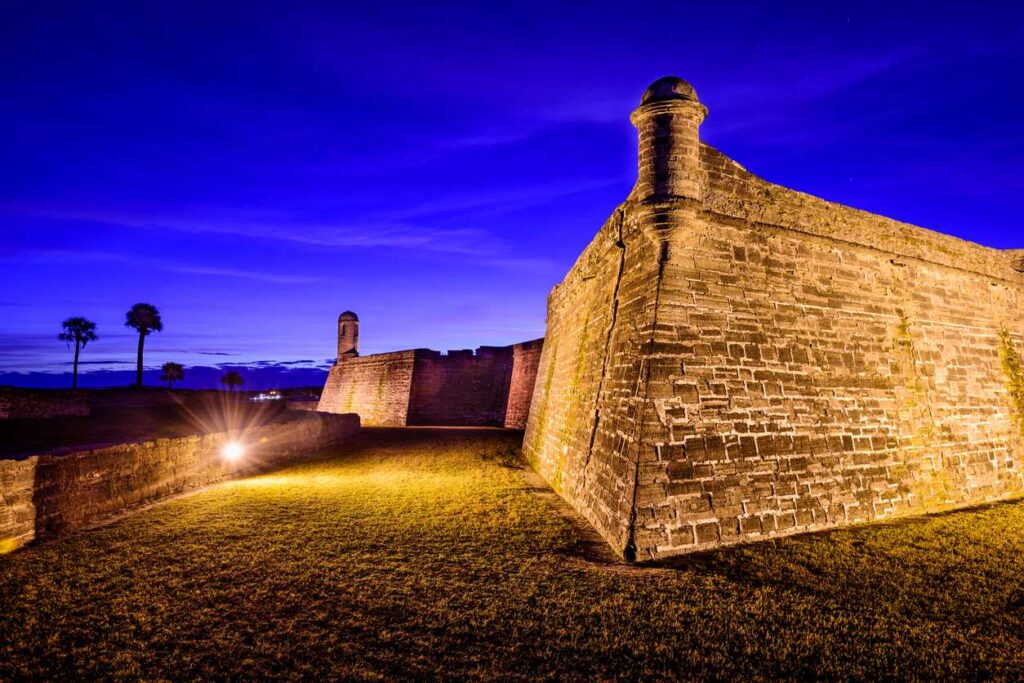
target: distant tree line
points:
(171, 373)
(145, 319)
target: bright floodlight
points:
(233, 451)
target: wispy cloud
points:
(754, 101)
(405, 227)
(495, 201)
(261, 276)
(529, 265)
(345, 236)
(490, 139)
(98, 362)
(76, 256)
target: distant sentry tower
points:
(348, 335)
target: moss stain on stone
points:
(575, 401)
(577, 376)
(904, 348)
(349, 398)
(1013, 375)
(542, 416)
(379, 396)
(915, 408)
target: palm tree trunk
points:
(74, 374)
(138, 367)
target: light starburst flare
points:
(232, 451)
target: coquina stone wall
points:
(1016, 259)
(525, 360)
(461, 387)
(32, 404)
(375, 387)
(731, 360)
(491, 386)
(47, 495)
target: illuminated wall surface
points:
(44, 496)
(730, 360)
(492, 386)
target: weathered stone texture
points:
(1016, 259)
(461, 387)
(746, 361)
(47, 495)
(375, 387)
(586, 414)
(525, 359)
(425, 387)
(32, 404)
(17, 510)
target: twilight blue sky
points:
(255, 168)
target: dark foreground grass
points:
(427, 554)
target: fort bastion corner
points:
(731, 360)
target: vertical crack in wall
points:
(629, 552)
(604, 360)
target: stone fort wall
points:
(375, 387)
(45, 496)
(461, 387)
(492, 386)
(525, 360)
(731, 360)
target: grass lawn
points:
(428, 554)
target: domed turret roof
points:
(669, 88)
(348, 315)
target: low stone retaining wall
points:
(47, 495)
(302, 405)
(31, 404)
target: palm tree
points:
(232, 379)
(81, 331)
(171, 373)
(146, 319)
